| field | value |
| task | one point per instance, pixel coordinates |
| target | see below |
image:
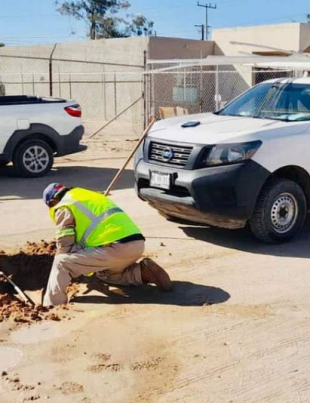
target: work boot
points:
(152, 273)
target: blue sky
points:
(36, 21)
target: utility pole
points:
(202, 27)
(207, 7)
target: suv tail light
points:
(74, 110)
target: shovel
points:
(120, 172)
(24, 297)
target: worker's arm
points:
(65, 235)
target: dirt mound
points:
(11, 308)
(30, 266)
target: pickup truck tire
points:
(280, 212)
(33, 158)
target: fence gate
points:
(173, 90)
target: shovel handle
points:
(119, 173)
(24, 297)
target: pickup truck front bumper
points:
(223, 196)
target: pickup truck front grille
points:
(169, 154)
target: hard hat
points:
(51, 191)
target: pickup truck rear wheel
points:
(33, 158)
(280, 212)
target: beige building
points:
(290, 36)
(106, 76)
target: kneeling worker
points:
(95, 236)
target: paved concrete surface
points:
(236, 328)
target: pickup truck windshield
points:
(277, 101)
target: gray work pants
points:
(114, 264)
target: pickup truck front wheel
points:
(33, 158)
(280, 212)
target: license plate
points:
(160, 180)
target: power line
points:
(207, 7)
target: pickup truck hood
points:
(215, 129)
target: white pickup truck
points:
(34, 130)
(247, 163)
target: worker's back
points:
(98, 220)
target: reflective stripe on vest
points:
(61, 233)
(95, 220)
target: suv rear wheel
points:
(33, 158)
(280, 212)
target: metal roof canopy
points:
(221, 60)
(295, 61)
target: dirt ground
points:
(236, 328)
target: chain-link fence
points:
(102, 89)
(196, 89)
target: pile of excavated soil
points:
(13, 309)
(29, 268)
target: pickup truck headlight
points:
(224, 154)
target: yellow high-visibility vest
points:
(98, 220)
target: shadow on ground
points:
(183, 294)
(244, 240)
(93, 178)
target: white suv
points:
(33, 130)
(248, 163)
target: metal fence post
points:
(184, 87)
(144, 90)
(59, 81)
(149, 94)
(217, 91)
(115, 95)
(152, 98)
(201, 88)
(23, 87)
(70, 84)
(104, 95)
(51, 70)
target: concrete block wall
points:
(102, 80)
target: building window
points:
(184, 89)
